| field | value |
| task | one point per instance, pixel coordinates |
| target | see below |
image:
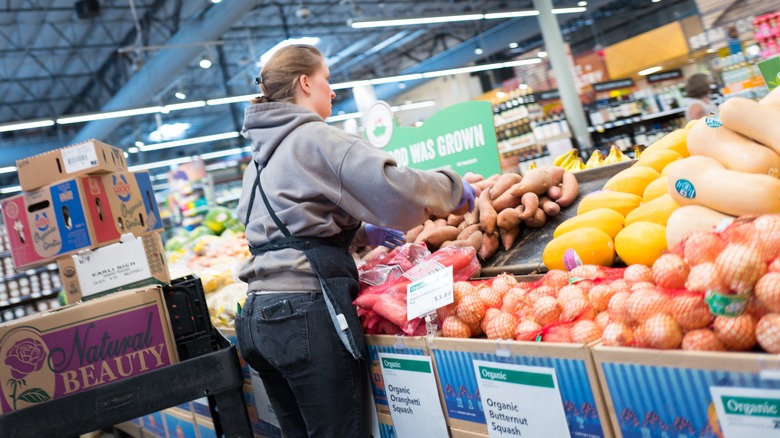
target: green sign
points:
(407, 365)
(460, 137)
(770, 70)
(517, 377)
(756, 407)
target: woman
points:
(303, 201)
(697, 88)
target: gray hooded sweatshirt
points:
(320, 180)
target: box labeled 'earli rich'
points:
(78, 213)
(131, 263)
(88, 157)
(82, 346)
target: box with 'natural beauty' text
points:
(82, 346)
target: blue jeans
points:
(316, 387)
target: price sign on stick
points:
(429, 293)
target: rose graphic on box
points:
(26, 356)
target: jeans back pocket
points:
(284, 342)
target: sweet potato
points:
(530, 202)
(508, 219)
(472, 217)
(412, 234)
(454, 219)
(486, 183)
(440, 222)
(556, 174)
(536, 181)
(503, 184)
(487, 214)
(441, 234)
(554, 192)
(468, 231)
(472, 177)
(506, 200)
(570, 188)
(474, 241)
(508, 237)
(428, 226)
(489, 245)
(538, 220)
(549, 206)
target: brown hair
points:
(280, 74)
(697, 86)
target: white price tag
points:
(413, 396)
(521, 400)
(429, 293)
(747, 412)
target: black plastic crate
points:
(187, 308)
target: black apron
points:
(330, 259)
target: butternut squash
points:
(734, 151)
(699, 180)
(689, 219)
(752, 120)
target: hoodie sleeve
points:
(374, 189)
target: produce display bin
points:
(679, 393)
(525, 256)
(412, 345)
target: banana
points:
(575, 165)
(532, 165)
(560, 159)
(615, 156)
(622, 156)
(572, 155)
(638, 149)
(595, 160)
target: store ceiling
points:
(138, 53)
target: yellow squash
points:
(605, 219)
(641, 243)
(621, 202)
(633, 180)
(655, 189)
(657, 211)
(591, 245)
(675, 140)
(658, 159)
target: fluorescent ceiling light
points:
(234, 99)
(158, 164)
(133, 150)
(8, 169)
(582, 3)
(290, 41)
(650, 70)
(225, 153)
(205, 63)
(363, 24)
(168, 132)
(189, 141)
(391, 79)
(26, 125)
(184, 105)
(351, 84)
(542, 54)
(415, 105)
(180, 95)
(109, 115)
(12, 189)
(139, 143)
(513, 45)
(511, 14)
(568, 10)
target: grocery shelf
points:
(510, 120)
(216, 374)
(28, 272)
(517, 147)
(28, 299)
(553, 138)
(635, 119)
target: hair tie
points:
(259, 80)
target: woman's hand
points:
(384, 236)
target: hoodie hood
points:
(267, 124)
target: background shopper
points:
(303, 201)
(697, 88)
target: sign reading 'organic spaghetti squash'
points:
(460, 137)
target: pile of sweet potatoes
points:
(506, 203)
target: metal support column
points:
(556, 51)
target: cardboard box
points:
(89, 157)
(412, 345)
(129, 264)
(573, 365)
(154, 426)
(78, 213)
(657, 392)
(179, 423)
(82, 346)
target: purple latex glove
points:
(384, 236)
(469, 193)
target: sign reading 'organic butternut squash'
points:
(460, 137)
